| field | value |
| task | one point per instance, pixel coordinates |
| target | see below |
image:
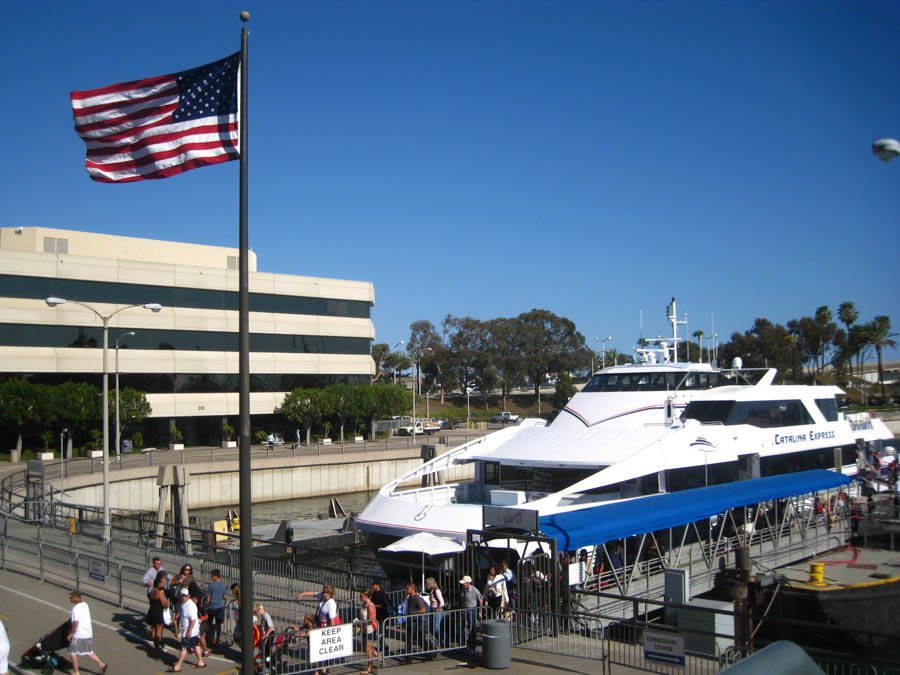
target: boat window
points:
(492, 473)
(707, 412)
(828, 407)
(635, 381)
(540, 479)
(768, 414)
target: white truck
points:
(409, 428)
(506, 417)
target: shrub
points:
(137, 441)
(262, 436)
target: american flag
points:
(161, 126)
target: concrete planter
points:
(95, 454)
(15, 455)
(44, 456)
(229, 444)
(176, 446)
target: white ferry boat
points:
(652, 427)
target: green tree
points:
(549, 344)
(506, 353)
(302, 406)
(363, 408)
(879, 337)
(78, 406)
(390, 401)
(133, 407)
(338, 403)
(379, 351)
(565, 390)
(20, 407)
(848, 315)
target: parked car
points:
(447, 425)
(506, 417)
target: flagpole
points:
(246, 502)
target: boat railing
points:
(436, 495)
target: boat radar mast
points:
(660, 349)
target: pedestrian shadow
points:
(134, 629)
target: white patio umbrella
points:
(425, 543)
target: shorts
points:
(190, 643)
(81, 646)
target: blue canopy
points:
(599, 524)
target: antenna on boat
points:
(672, 316)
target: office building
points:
(304, 331)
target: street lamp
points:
(603, 351)
(130, 333)
(886, 149)
(153, 307)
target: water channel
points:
(266, 513)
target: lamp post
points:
(603, 351)
(152, 306)
(130, 333)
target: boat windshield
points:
(656, 381)
(763, 414)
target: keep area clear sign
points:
(331, 642)
(664, 647)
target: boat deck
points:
(850, 566)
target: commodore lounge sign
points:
(664, 647)
(331, 642)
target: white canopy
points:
(425, 543)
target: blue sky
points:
(486, 158)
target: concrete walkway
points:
(30, 608)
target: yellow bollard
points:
(73, 528)
(816, 574)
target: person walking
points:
(215, 606)
(495, 589)
(384, 608)
(190, 632)
(436, 600)
(326, 613)
(368, 626)
(415, 622)
(4, 651)
(470, 598)
(81, 633)
(159, 602)
(183, 581)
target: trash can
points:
(496, 640)
(126, 445)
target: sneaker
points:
(205, 654)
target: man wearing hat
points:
(190, 631)
(470, 598)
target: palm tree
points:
(879, 336)
(699, 335)
(848, 315)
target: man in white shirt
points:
(190, 631)
(4, 650)
(150, 575)
(81, 634)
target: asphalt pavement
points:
(31, 608)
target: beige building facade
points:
(304, 331)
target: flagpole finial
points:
(245, 15)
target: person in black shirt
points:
(384, 608)
(416, 627)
